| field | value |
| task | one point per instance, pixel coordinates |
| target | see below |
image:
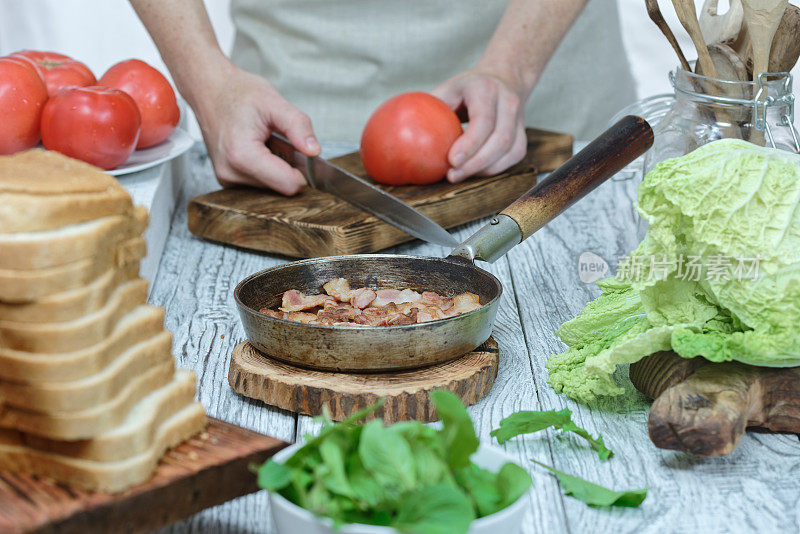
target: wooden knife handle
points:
(704, 408)
(602, 158)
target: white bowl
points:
(291, 519)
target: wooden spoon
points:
(785, 48)
(723, 28)
(762, 18)
(729, 67)
(657, 17)
(688, 17)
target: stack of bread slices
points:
(89, 393)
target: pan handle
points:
(602, 158)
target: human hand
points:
(237, 112)
(495, 136)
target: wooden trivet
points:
(704, 408)
(205, 471)
(306, 391)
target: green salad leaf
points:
(717, 275)
(593, 494)
(528, 422)
(409, 476)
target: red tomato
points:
(58, 70)
(95, 124)
(22, 98)
(407, 138)
(152, 93)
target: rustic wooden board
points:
(307, 391)
(206, 470)
(313, 223)
(704, 408)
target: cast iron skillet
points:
(364, 349)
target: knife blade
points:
(325, 176)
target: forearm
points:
(185, 38)
(526, 38)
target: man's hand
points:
(495, 137)
(237, 112)
(494, 92)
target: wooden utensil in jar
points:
(656, 16)
(785, 48)
(762, 18)
(688, 17)
(723, 28)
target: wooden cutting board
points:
(207, 470)
(704, 408)
(405, 393)
(313, 224)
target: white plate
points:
(175, 145)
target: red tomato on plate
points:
(407, 138)
(95, 124)
(22, 98)
(58, 70)
(152, 93)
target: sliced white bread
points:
(72, 303)
(86, 424)
(77, 333)
(96, 389)
(41, 190)
(109, 477)
(134, 436)
(141, 324)
(18, 285)
(50, 248)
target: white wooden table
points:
(757, 487)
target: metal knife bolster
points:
(491, 241)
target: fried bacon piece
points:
(343, 306)
(294, 301)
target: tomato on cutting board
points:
(406, 140)
(95, 124)
(22, 98)
(152, 93)
(59, 71)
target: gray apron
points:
(337, 60)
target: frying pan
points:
(384, 348)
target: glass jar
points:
(707, 109)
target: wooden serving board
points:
(205, 471)
(313, 223)
(306, 391)
(704, 408)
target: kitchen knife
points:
(325, 176)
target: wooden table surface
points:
(757, 487)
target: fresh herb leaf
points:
(512, 483)
(438, 509)
(333, 453)
(458, 434)
(387, 455)
(593, 494)
(481, 486)
(528, 422)
(274, 476)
